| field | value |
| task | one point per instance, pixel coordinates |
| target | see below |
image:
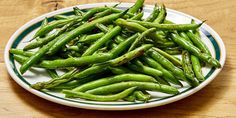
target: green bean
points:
(119, 39)
(123, 45)
(187, 67)
(168, 27)
(40, 53)
(172, 52)
(101, 14)
(54, 82)
(139, 28)
(141, 96)
(196, 32)
(127, 15)
(90, 71)
(153, 15)
(148, 71)
(70, 76)
(75, 83)
(198, 43)
(117, 87)
(42, 41)
(167, 75)
(88, 96)
(138, 4)
(21, 52)
(91, 38)
(179, 74)
(140, 38)
(114, 79)
(44, 22)
(55, 24)
(82, 29)
(128, 56)
(77, 11)
(73, 48)
(120, 70)
(191, 48)
(102, 41)
(73, 62)
(62, 17)
(162, 15)
(102, 27)
(197, 68)
(138, 16)
(130, 98)
(92, 11)
(52, 73)
(169, 57)
(185, 36)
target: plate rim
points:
(101, 107)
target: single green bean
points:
(153, 15)
(91, 38)
(54, 82)
(140, 38)
(73, 61)
(168, 27)
(102, 41)
(120, 70)
(114, 79)
(187, 67)
(138, 4)
(102, 14)
(123, 45)
(197, 68)
(138, 16)
(22, 52)
(93, 11)
(128, 56)
(44, 22)
(88, 96)
(117, 87)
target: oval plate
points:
(23, 34)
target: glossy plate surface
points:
(25, 33)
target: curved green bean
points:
(114, 79)
(117, 87)
(197, 68)
(88, 96)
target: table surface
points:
(218, 99)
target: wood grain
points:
(218, 99)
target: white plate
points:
(209, 36)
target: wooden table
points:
(218, 99)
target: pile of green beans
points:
(108, 54)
